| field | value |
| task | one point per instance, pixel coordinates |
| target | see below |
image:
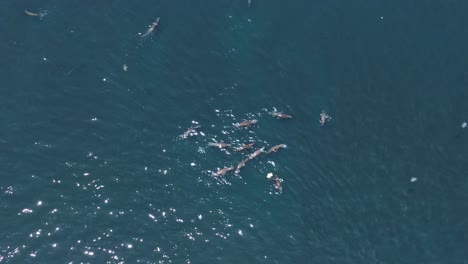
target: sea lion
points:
(280, 115)
(256, 153)
(278, 182)
(151, 28)
(244, 147)
(246, 123)
(324, 118)
(219, 145)
(190, 132)
(240, 165)
(223, 171)
(31, 13)
(275, 148)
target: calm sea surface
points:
(93, 169)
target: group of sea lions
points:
(247, 124)
(277, 181)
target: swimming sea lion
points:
(280, 115)
(190, 132)
(223, 171)
(246, 123)
(275, 148)
(240, 165)
(256, 153)
(31, 13)
(324, 118)
(244, 147)
(219, 145)
(153, 26)
(277, 181)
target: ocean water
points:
(93, 169)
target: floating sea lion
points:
(324, 118)
(151, 28)
(256, 153)
(190, 132)
(280, 115)
(246, 123)
(240, 165)
(278, 182)
(219, 145)
(275, 148)
(223, 171)
(244, 147)
(31, 13)
(40, 14)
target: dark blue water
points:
(93, 169)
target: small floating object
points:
(413, 179)
(269, 175)
(125, 67)
(463, 125)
